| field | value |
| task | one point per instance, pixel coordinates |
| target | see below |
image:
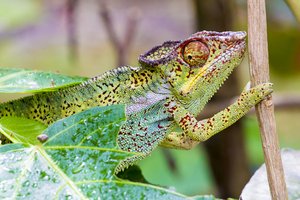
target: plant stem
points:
(259, 71)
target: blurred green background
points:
(88, 37)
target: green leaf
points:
(28, 12)
(78, 161)
(29, 81)
(21, 130)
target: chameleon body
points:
(163, 95)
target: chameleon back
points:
(107, 89)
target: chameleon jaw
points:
(212, 75)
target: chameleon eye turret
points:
(159, 55)
(195, 53)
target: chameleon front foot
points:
(178, 141)
(194, 131)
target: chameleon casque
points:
(162, 96)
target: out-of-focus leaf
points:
(30, 81)
(284, 47)
(295, 8)
(11, 16)
(258, 187)
(78, 161)
(21, 130)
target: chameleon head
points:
(197, 66)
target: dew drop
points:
(90, 120)
(34, 185)
(85, 122)
(26, 183)
(89, 137)
(44, 175)
(79, 168)
(46, 178)
(69, 197)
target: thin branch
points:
(123, 45)
(171, 161)
(71, 8)
(259, 71)
(130, 31)
(105, 15)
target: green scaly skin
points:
(172, 85)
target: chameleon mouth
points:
(233, 53)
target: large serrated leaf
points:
(77, 161)
(25, 81)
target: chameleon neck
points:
(117, 86)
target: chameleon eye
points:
(195, 53)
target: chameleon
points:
(163, 95)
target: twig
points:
(131, 26)
(104, 13)
(71, 7)
(259, 71)
(123, 45)
(171, 161)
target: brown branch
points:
(71, 8)
(121, 46)
(131, 27)
(105, 15)
(171, 161)
(259, 72)
(284, 102)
